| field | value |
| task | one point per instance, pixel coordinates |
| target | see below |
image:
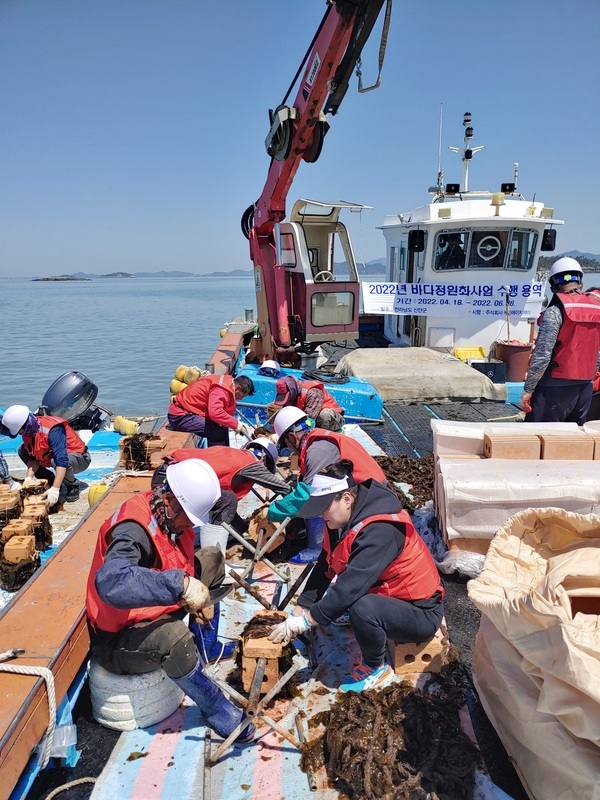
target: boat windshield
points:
(508, 249)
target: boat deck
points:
(46, 619)
(167, 761)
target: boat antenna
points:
(467, 152)
(438, 189)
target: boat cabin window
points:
(511, 249)
(332, 308)
(450, 250)
(288, 250)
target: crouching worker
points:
(144, 580)
(49, 442)
(374, 565)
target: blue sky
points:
(132, 131)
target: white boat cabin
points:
(465, 265)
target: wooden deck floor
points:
(47, 619)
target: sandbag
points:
(536, 662)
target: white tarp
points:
(479, 495)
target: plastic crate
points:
(465, 353)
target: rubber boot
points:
(315, 528)
(209, 646)
(219, 712)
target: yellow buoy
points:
(95, 493)
(180, 372)
(176, 386)
(191, 375)
(125, 426)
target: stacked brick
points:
(25, 530)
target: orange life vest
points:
(576, 350)
(365, 467)
(194, 398)
(411, 576)
(38, 446)
(328, 400)
(169, 555)
(226, 462)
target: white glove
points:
(28, 481)
(287, 630)
(51, 496)
(196, 596)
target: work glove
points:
(289, 505)
(51, 496)
(195, 596)
(243, 431)
(287, 630)
(273, 408)
(29, 480)
(525, 401)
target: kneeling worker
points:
(49, 442)
(144, 580)
(385, 577)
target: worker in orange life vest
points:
(237, 470)
(566, 356)
(374, 565)
(49, 442)
(316, 449)
(207, 406)
(312, 398)
(144, 580)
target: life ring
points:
(490, 250)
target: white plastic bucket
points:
(213, 536)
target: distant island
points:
(589, 263)
(376, 267)
(61, 278)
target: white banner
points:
(453, 299)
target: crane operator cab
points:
(323, 289)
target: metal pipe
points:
(252, 549)
(250, 589)
(206, 785)
(256, 686)
(298, 582)
(312, 781)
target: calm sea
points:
(127, 335)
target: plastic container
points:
(516, 358)
(465, 353)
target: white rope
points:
(46, 674)
(66, 786)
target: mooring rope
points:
(46, 674)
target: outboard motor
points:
(71, 397)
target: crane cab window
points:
(288, 250)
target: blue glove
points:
(289, 505)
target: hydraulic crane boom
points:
(297, 133)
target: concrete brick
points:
(18, 548)
(526, 447)
(567, 447)
(417, 657)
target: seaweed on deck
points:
(416, 472)
(399, 742)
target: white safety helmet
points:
(267, 446)
(196, 486)
(270, 368)
(565, 270)
(286, 419)
(14, 418)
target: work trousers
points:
(78, 462)
(375, 618)
(569, 403)
(201, 426)
(165, 642)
